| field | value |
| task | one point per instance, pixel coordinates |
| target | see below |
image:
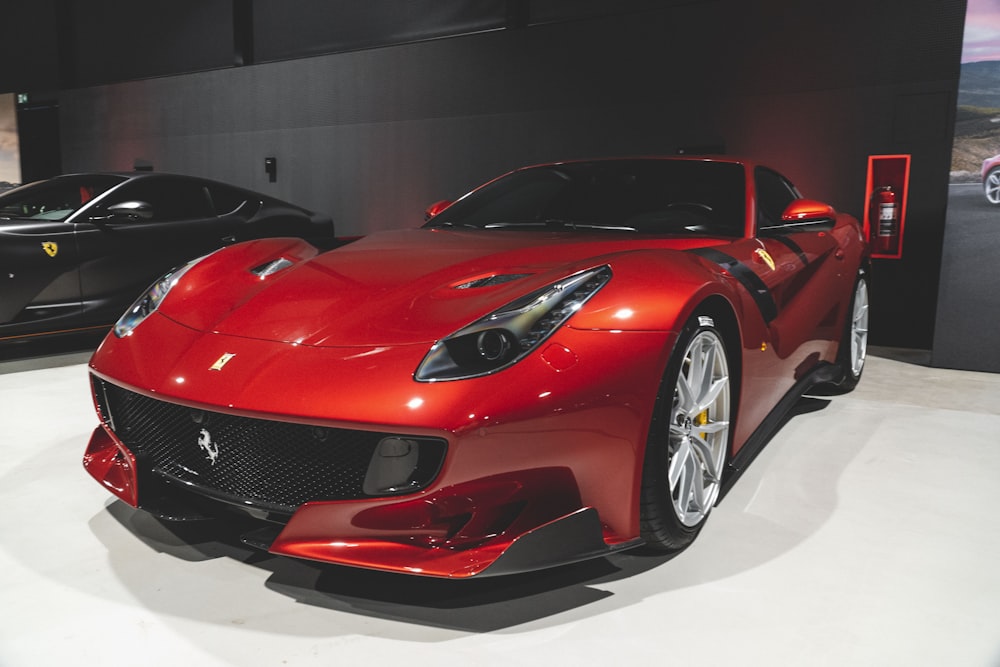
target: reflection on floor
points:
(866, 533)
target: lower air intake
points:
(273, 464)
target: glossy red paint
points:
(436, 208)
(538, 453)
(109, 462)
(805, 210)
(457, 532)
(989, 164)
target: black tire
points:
(687, 448)
(853, 348)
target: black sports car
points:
(75, 250)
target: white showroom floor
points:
(866, 533)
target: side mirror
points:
(131, 210)
(436, 208)
(803, 211)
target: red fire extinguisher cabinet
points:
(888, 181)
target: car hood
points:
(394, 288)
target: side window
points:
(774, 194)
(225, 200)
(170, 199)
(57, 198)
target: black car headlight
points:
(146, 304)
(510, 333)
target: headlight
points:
(507, 335)
(146, 304)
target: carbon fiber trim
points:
(744, 274)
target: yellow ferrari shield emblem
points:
(221, 361)
(765, 256)
(51, 248)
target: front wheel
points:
(688, 439)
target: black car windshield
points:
(55, 199)
(648, 196)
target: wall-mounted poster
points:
(10, 156)
(968, 313)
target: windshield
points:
(55, 199)
(646, 196)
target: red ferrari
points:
(573, 359)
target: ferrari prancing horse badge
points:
(51, 248)
(221, 361)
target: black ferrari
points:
(75, 250)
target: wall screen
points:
(10, 156)
(968, 314)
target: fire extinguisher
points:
(885, 233)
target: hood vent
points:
(272, 267)
(491, 281)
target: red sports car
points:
(573, 359)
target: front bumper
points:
(504, 524)
(542, 464)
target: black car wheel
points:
(688, 439)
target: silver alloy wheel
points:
(991, 187)
(699, 428)
(859, 328)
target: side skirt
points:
(822, 374)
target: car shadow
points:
(469, 605)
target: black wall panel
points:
(907, 289)
(556, 11)
(40, 150)
(29, 35)
(371, 136)
(294, 30)
(118, 40)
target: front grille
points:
(266, 463)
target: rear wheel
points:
(854, 343)
(688, 439)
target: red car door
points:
(803, 271)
